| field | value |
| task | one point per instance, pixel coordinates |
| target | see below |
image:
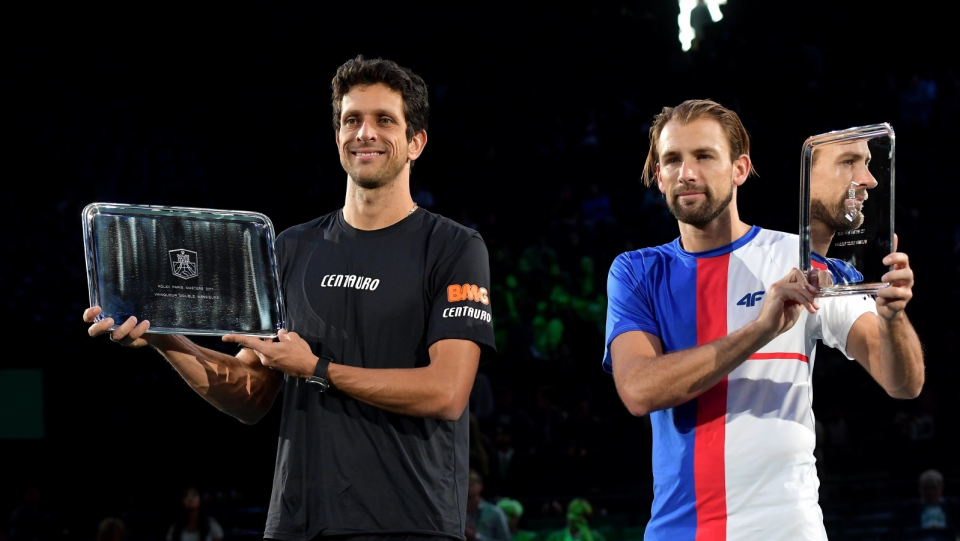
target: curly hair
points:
(686, 113)
(360, 71)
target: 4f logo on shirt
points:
(750, 299)
(468, 292)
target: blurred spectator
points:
(931, 513)
(485, 521)
(31, 521)
(193, 524)
(504, 468)
(514, 511)
(917, 100)
(111, 529)
(579, 512)
(596, 205)
(479, 457)
(481, 397)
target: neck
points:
(820, 237)
(377, 208)
(723, 230)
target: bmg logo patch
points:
(184, 263)
(467, 292)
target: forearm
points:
(675, 378)
(901, 357)
(245, 390)
(414, 391)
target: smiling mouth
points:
(367, 153)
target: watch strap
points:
(323, 363)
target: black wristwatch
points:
(319, 378)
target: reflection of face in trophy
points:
(839, 180)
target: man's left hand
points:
(290, 354)
(892, 300)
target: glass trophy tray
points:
(847, 209)
(186, 270)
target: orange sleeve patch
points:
(454, 294)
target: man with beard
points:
(714, 336)
(387, 316)
(839, 180)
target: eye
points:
(704, 157)
(672, 160)
(386, 120)
(350, 121)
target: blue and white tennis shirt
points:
(737, 461)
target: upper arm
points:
(460, 300)
(628, 309)
(454, 363)
(632, 354)
(631, 348)
(863, 343)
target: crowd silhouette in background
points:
(536, 144)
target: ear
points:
(741, 169)
(336, 135)
(416, 145)
(659, 182)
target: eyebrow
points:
(702, 150)
(377, 112)
(856, 156)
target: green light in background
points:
(21, 404)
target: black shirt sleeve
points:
(460, 306)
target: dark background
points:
(537, 108)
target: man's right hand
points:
(129, 334)
(784, 301)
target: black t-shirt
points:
(375, 299)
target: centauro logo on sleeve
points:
(466, 311)
(468, 292)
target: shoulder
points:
(491, 508)
(216, 531)
(441, 229)
(447, 241)
(307, 229)
(637, 264)
(776, 239)
(776, 251)
(557, 535)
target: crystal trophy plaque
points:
(186, 270)
(846, 209)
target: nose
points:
(366, 132)
(866, 178)
(687, 173)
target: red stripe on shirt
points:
(709, 469)
(817, 265)
(780, 355)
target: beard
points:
(372, 180)
(835, 216)
(699, 215)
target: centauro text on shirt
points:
(468, 292)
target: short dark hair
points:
(360, 71)
(686, 113)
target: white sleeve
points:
(837, 315)
(216, 532)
